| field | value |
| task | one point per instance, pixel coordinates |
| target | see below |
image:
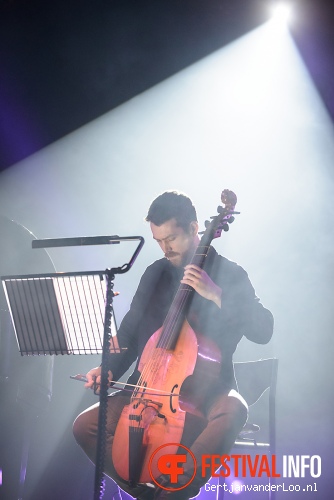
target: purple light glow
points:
(236, 486)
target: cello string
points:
(165, 334)
(202, 251)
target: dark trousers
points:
(225, 415)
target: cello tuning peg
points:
(231, 219)
(226, 227)
(220, 209)
(207, 223)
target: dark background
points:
(64, 63)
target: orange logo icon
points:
(172, 466)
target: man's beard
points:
(182, 260)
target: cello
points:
(176, 368)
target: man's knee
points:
(236, 396)
(238, 407)
(83, 426)
(231, 403)
(79, 429)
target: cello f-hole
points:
(173, 410)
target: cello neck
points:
(176, 314)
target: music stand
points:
(70, 313)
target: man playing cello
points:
(223, 307)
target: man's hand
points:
(94, 378)
(200, 281)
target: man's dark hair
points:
(172, 205)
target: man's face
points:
(177, 244)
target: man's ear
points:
(194, 228)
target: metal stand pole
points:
(99, 485)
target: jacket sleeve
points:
(251, 318)
(130, 328)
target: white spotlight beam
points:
(282, 12)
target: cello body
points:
(157, 419)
